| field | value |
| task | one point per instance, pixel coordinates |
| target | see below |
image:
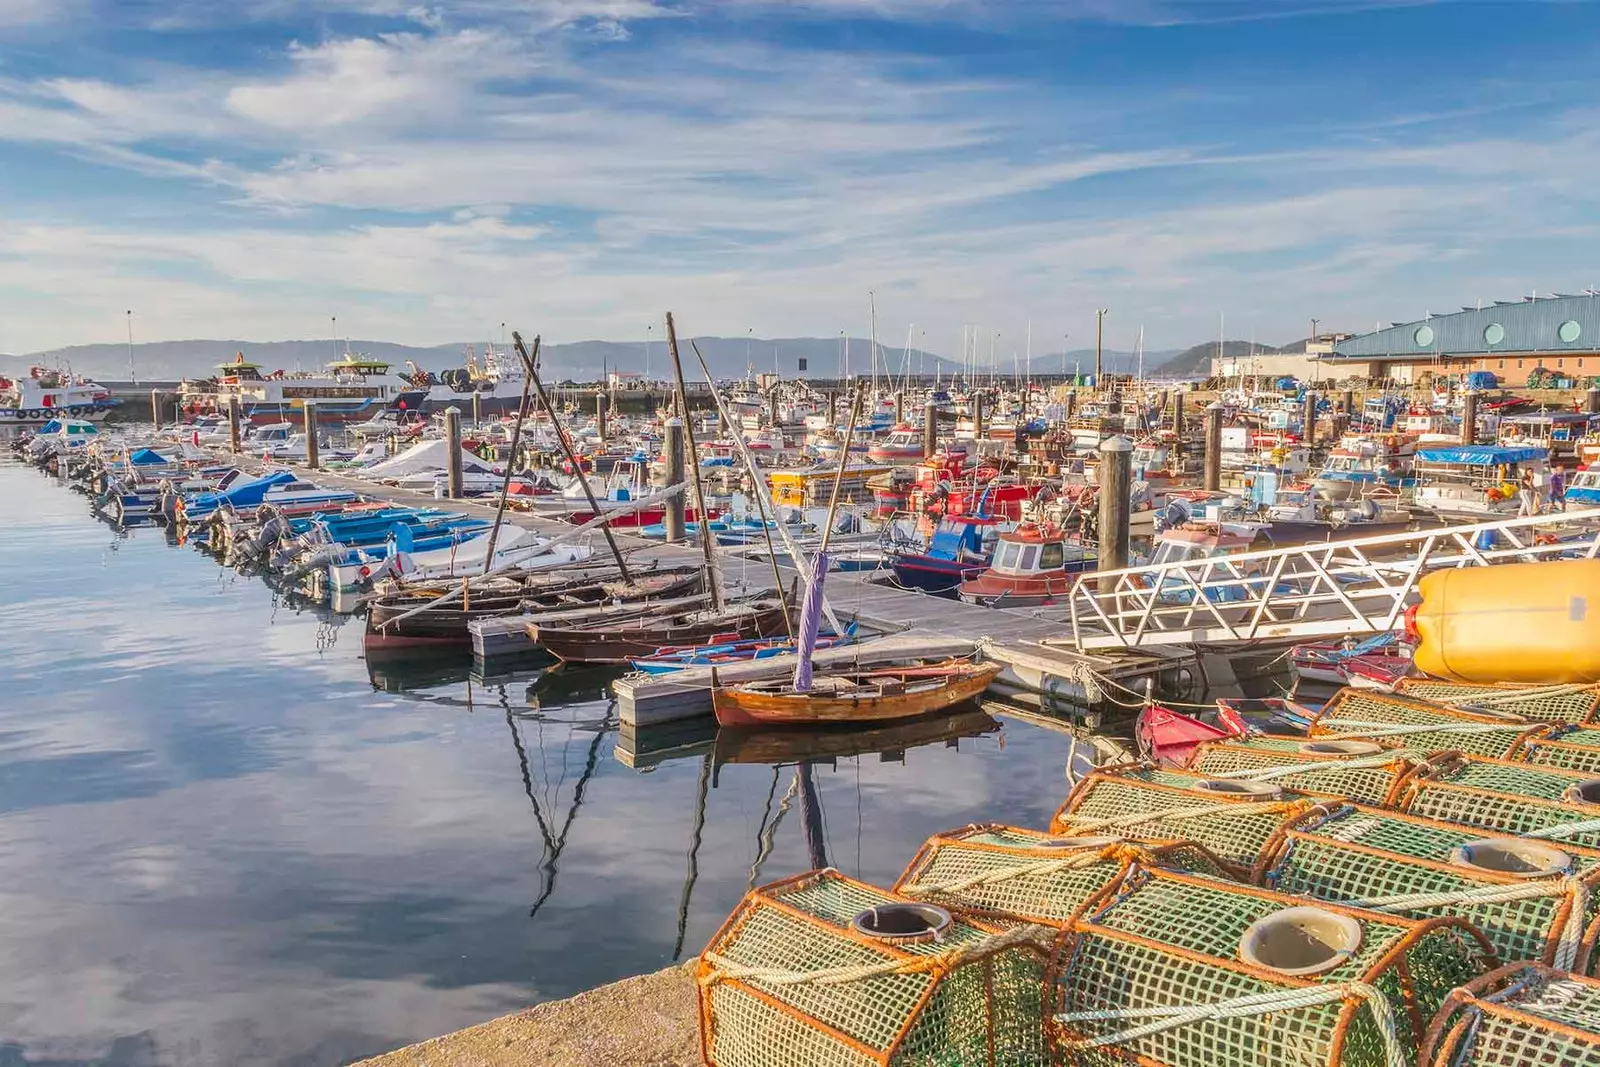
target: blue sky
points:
(425, 172)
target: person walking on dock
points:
(1558, 491)
(1528, 495)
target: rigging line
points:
(694, 855)
(766, 813)
(572, 813)
(527, 780)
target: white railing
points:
(1319, 590)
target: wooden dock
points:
(907, 622)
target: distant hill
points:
(1196, 362)
(729, 357)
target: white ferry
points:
(47, 394)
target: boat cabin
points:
(1476, 481)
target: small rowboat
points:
(853, 694)
(728, 648)
(1170, 738)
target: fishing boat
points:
(902, 445)
(670, 659)
(608, 641)
(1326, 661)
(853, 694)
(353, 389)
(959, 548)
(1476, 482)
(1299, 516)
(812, 486)
(393, 622)
(1361, 463)
(1034, 565)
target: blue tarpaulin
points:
(147, 457)
(1479, 455)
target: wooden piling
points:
(233, 424)
(1213, 466)
(930, 429)
(452, 436)
(309, 411)
(1115, 478)
(673, 453)
(1469, 416)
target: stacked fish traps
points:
(1188, 971)
(1009, 875)
(1520, 1015)
(1422, 726)
(1366, 771)
(821, 969)
(1532, 901)
(1575, 748)
(1509, 797)
(1233, 819)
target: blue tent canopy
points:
(1480, 455)
(147, 457)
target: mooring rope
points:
(1268, 807)
(1034, 935)
(1115, 853)
(1264, 774)
(1567, 947)
(1565, 829)
(1513, 696)
(1170, 1018)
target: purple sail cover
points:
(810, 620)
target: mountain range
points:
(581, 361)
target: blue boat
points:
(666, 661)
(241, 494)
(960, 549)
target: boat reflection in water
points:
(824, 744)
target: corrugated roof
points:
(1546, 324)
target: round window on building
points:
(1494, 333)
(1569, 331)
(1423, 336)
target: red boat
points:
(1170, 738)
(1033, 565)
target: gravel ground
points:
(649, 1021)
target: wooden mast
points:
(713, 576)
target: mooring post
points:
(155, 407)
(309, 410)
(1350, 403)
(1469, 416)
(673, 453)
(1177, 430)
(1072, 402)
(930, 429)
(1591, 400)
(1213, 468)
(602, 405)
(477, 408)
(899, 408)
(233, 423)
(452, 437)
(977, 417)
(1309, 420)
(1115, 479)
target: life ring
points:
(75, 410)
(33, 413)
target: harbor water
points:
(228, 838)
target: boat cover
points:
(423, 456)
(1480, 455)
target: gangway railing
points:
(1326, 589)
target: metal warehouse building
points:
(1559, 333)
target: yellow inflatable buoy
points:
(1515, 622)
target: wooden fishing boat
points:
(774, 746)
(1034, 565)
(447, 623)
(851, 693)
(607, 641)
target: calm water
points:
(226, 839)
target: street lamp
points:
(132, 377)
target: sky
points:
(420, 172)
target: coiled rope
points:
(937, 963)
(1567, 947)
(1170, 1018)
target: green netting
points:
(1576, 749)
(1369, 785)
(1236, 838)
(1481, 1031)
(1474, 733)
(1196, 925)
(1519, 929)
(1520, 779)
(950, 1014)
(1014, 875)
(1498, 811)
(1539, 703)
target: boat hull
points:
(639, 638)
(749, 707)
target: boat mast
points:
(511, 461)
(811, 607)
(713, 577)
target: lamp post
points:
(132, 377)
(1099, 338)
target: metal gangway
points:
(1325, 589)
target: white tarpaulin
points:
(423, 456)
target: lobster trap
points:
(821, 970)
(1510, 798)
(1366, 771)
(1523, 1015)
(1231, 819)
(1531, 900)
(1574, 748)
(1180, 970)
(1363, 714)
(1536, 703)
(1010, 875)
